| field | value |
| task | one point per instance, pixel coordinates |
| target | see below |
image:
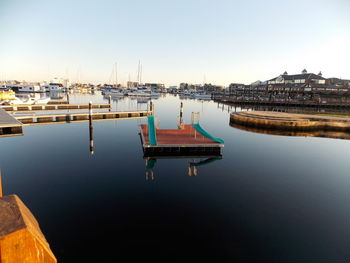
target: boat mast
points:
(138, 72)
(116, 75)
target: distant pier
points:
(257, 102)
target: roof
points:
(339, 80)
(299, 76)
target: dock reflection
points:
(318, 133)
(194, 162)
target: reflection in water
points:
(195, 162)
(322, 134)
(91, 135)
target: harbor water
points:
(269, 198)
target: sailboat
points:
(113, 91)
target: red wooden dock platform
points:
(184, 141)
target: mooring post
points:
(68, 97)
(110, 103)
(181, 114)
(90, 108)
(151, 107)
(181, 109)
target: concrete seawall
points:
(290, 121)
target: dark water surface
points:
(270, 199)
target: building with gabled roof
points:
(303, 78)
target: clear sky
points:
(217, 41)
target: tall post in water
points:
(110, 103)
(151, 107)
(181, 115)
(91, 129)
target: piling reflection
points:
(91, 133)
(321, 134)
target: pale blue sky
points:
(177, 41)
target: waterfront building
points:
(234, 87)
(304, 88)
(304, 82)
(303, 78)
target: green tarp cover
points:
(204, 133)
(151, 131)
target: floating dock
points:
(9, 126)
(12, 125)
(53, 107)
(81, 117)
(290, 121)
(189, 140)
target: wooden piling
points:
(21, 239)
(181, 110)
(91, 130)
(90, 108)
(180, 118)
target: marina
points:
(149, 182)
(185, 131)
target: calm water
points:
(270, 199)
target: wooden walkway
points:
(9, 126)
(232, 101)
(53, 107)
(80, 117)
